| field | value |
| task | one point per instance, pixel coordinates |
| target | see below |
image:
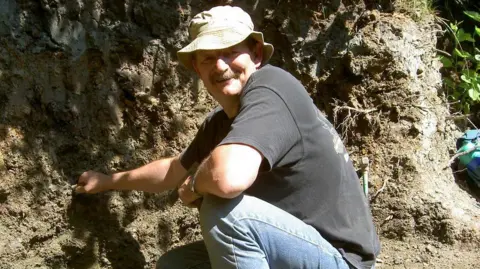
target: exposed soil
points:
(95, 84)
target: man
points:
(277, 187)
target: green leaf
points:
(469, 73)
(456, 95)
(446, 62)
(449, 82)
(461, 63)
(472, 14)
(464, 85)
(462, 36)
(477, 30)
(466, 108)
(466, 79)
(475, 76)
(477, 57)
(476, 86)
(462, 54)
(454, 27)
(476, 83)
(473, 94)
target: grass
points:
(417, 9)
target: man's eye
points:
(208, 60)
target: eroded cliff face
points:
(91, 85)
(96, 85)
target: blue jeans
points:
(246, 232)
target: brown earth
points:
(94, 84)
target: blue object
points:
(470, 141)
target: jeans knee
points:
(218, 221)
(221, 218)
(216, 210)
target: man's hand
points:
(188, 197)
(93, 182)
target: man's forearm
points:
(156, 176)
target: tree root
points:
(351, 117)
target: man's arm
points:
(228, 171)
(157, 176)
(264, 129)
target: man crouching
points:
(276, 185)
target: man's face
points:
(225, 72)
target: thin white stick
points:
(450, 162)
(381, 189)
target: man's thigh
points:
(190, 256)
(246, 232)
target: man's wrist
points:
(115, 180)
(192, 185)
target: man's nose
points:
(222, 63)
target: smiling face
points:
(225, 72)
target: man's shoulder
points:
(269, 75)
(276, 79)
(216, 114)
(271, 70)
(218, 110)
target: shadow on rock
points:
(96, 226)
(465, 183)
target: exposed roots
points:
(351, 117)
(385, 181)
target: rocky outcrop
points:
(95, 84)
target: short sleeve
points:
(265, 123)
(209, 134)
(191, 154)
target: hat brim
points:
(222, 40)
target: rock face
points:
(95, 84)
(410, 139)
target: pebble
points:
(2, 163)
(15, 245)
(430, 249)
(104, 260)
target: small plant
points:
(463, 65)
(416, 9)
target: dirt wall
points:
(95, 84)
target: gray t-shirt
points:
(306, 171)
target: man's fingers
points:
(79, 189)
(189, 198)
(83, 177)
(82, 180)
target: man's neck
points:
(232, 110)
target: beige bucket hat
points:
(219, 28)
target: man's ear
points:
(195, 67)
(258, 54)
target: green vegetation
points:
(462, 65)
(416, 9)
